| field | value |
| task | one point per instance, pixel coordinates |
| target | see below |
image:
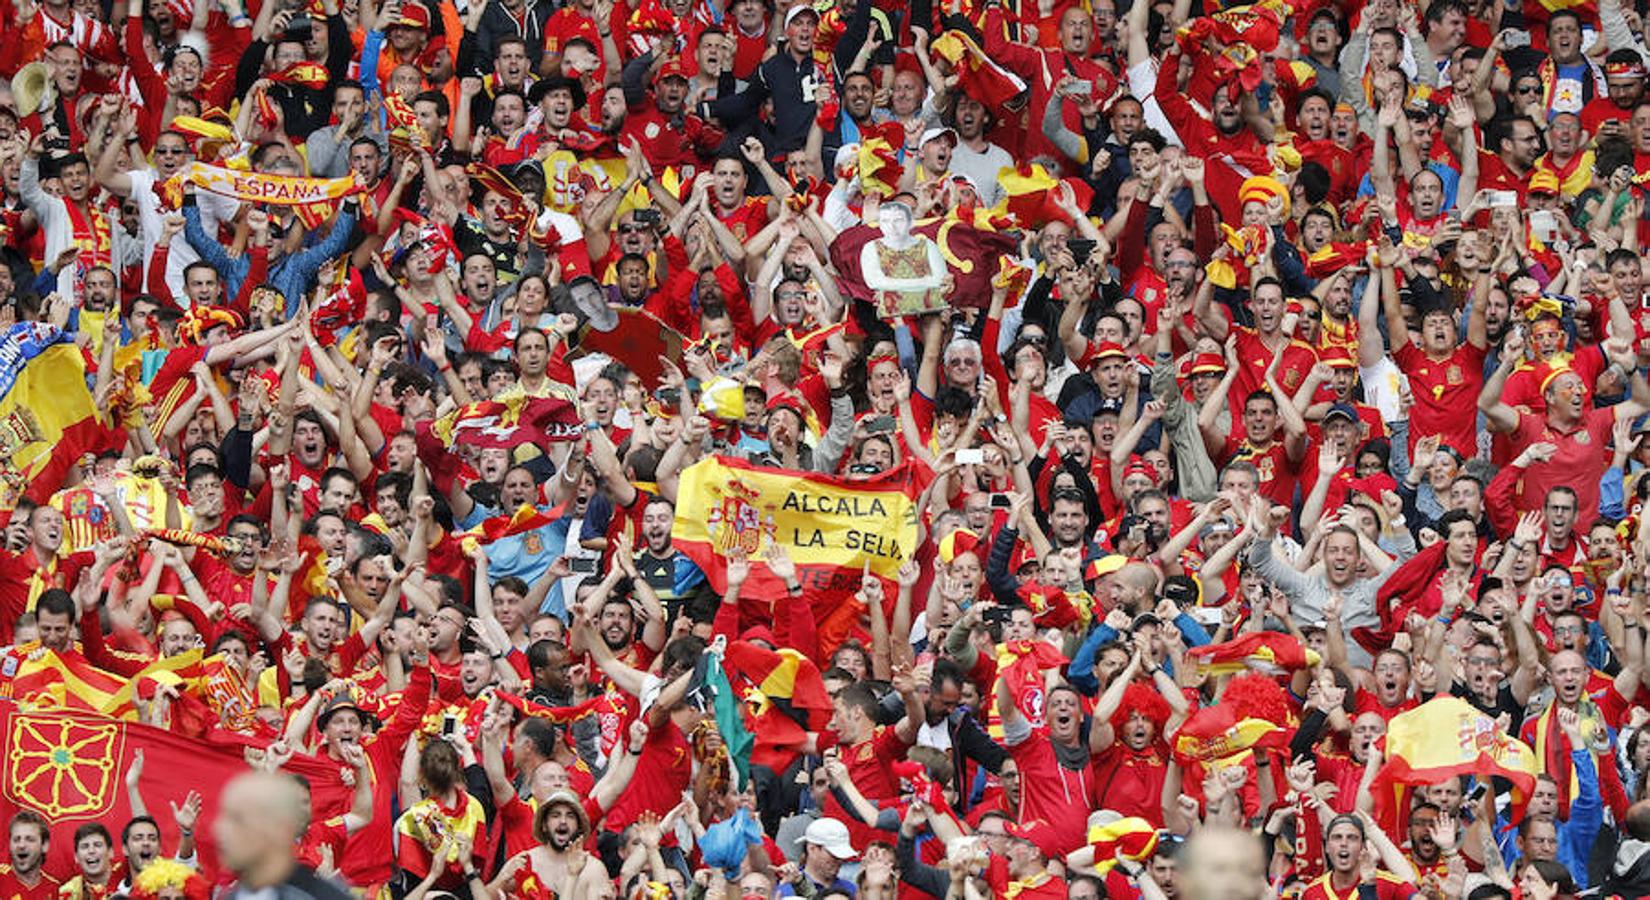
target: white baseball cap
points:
(832, 835)
(798, 9)
(935, 134)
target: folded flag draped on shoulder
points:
(47, 418)
(1266, 651)
(1444, 738)
(505, 424)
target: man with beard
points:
(1624, 78)
(657, 561)
(1224, 140)
(1346, 849)
(1595, 700)
(668, 135)
(975, 156)
(1517, 143)
(560, 825)
(1427, 824)
(25, 877)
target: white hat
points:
(832, 835)
(934, 133)
(802, 6)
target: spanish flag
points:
(978, 75)
(527, 517)
(1217, 732)
(47, 418)
(302, 74)
(1263, 651)
(830, 527)
(424, 828)
(1443, 738)
(1130, 838)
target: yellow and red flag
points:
(1441, 739)
(978, 75)
(830, 527)
(47, 418)
(1217, 732)
(1263, 651)
(1130, 838)
(302, 74)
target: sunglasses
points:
(632, 229)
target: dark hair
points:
(57, 602)
(92, 829)
(135, 821)
(1149, 136)
(1451, 518)
(442, 107)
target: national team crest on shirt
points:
(1583, 437)
(1292, 379)
(534, 544)
(652, 130)
(1453, 375)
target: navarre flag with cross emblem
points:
(71, 767)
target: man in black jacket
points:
(951, 728)
(790, 77)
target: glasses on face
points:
(1527, 89)
(1037, 339)
(1567, 629)
(170, 151)
(632, 229)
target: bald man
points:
(1220, 863)
(260, 819)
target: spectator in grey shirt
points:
(1308, 592)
